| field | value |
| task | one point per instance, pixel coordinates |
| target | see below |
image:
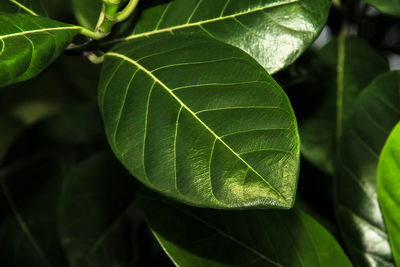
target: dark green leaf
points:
(389, 189)
(28, 207)
(274, 32)
(200, 121)
(87, 12)
(351, 64)
(94, 221)
(29, 44)
(376, 112)
(204, 237)
(32, 7)
(391, 7)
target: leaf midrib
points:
(30, 11)
(2, 37)
(151, 75)
(200, 23)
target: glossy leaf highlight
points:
(389, 189)
(376, 112)
(28, 44)
(200, 121)
(204, 237)
(274, 32)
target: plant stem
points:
(127, 11)
(94, 35)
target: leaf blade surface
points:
(29, 44)
(388, 189)
(213, 128)
(204, 237)
(376, 112)
(273, 32)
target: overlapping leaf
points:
(375, 114)
(200, 121)
(87, 12)
(391, 7)
(204, 237)
(389, 189)
(350, 65)
(274, 32)
(94, 222)
(32, 7)
(28, 44)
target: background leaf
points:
(391, 7)
(376, 112)
(32, 7)
(95, 222)
(28, 208)
(205, 237)
(200, 121)
(29, 44)
(350, 64)
(87, 12)
(389, 189)
(274, 32)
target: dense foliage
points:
(199, 133)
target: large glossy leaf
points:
(274, 32)
(200, 121)
(28, 44)
(350, 65)
(376, 112)
(94, 213)
(87, 12)
(32, 7)
(28, 207)
(204, 237)
(391, 7)
(389, 189)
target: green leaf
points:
(32, 7)
(390, 7)
(350, 65)
(28, 207)
(200, 121)
(87, 12)
(376, 112)
(94, 213)
(389, 189)
(204, 237)
(29, 44)
(274, 32)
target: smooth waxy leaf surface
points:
(200, 121)
(389, 189)
(32, 7)
(28, 44)
(351, 64)
(94, 213)
(87, 12)
(391, 7)
(204, 237)
(274, 32)
(376, 112)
